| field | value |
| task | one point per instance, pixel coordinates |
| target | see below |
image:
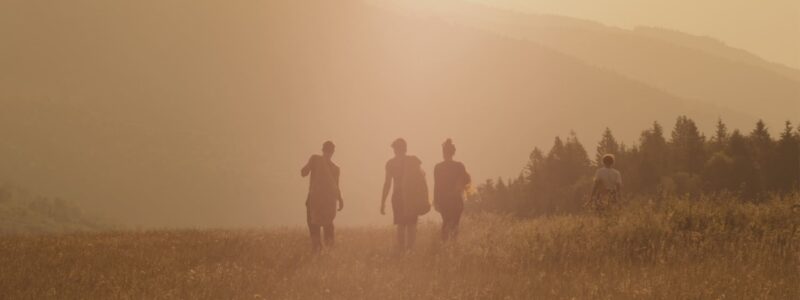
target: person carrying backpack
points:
(406, 179)
(607, 184)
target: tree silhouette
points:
(720, 137)
(688, 153)
(607, 145)
(786, 169)
(654, 155)
(762, 147)
(744, 173)
(687, 165)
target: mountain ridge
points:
(715, 74)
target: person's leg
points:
(316, 244)
(445, 225)
(412, 235)
(454, 224)
(456, 219)
(401, 237)
(313, 229)
(329, 235)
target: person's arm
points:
(307, 168)
(436, 189)
(387, 184)
(467, 177)
(338, 189)
(595, 185)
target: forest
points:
(747, 166)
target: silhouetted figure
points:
(409, 195)
(323, 194)
(607, 184)
(451, 181)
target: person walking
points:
(404, 176)
(451, 182)
(323, 195)
(607, 184)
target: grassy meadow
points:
(673, 249)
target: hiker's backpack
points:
(415, 188)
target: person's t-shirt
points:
(396, 168)
(450, 181)
(608, 177)
(324, 182)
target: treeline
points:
(748, 166)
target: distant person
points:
(409, 195)
(323, 195)
(451, 182)
(607, 183)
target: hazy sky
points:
(770, 28)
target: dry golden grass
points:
(673, 250)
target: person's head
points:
(448, 149)
(400, 147)
(327, 148)
(608, 160)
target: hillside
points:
(690, 67)
(21, 212)
(665, 250)
(717, 48)
(201, 114)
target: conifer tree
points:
(688, 153)
(720, 137)
(502, 198)
(743, 174)
(653, 152)
(762, 147)
(607, 145)
(786, 172)
(576, 159)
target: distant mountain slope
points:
(22, 212)
(199, 113)
(700, 69)
(716, 47)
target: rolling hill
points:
(22, 212)
(690, 67)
